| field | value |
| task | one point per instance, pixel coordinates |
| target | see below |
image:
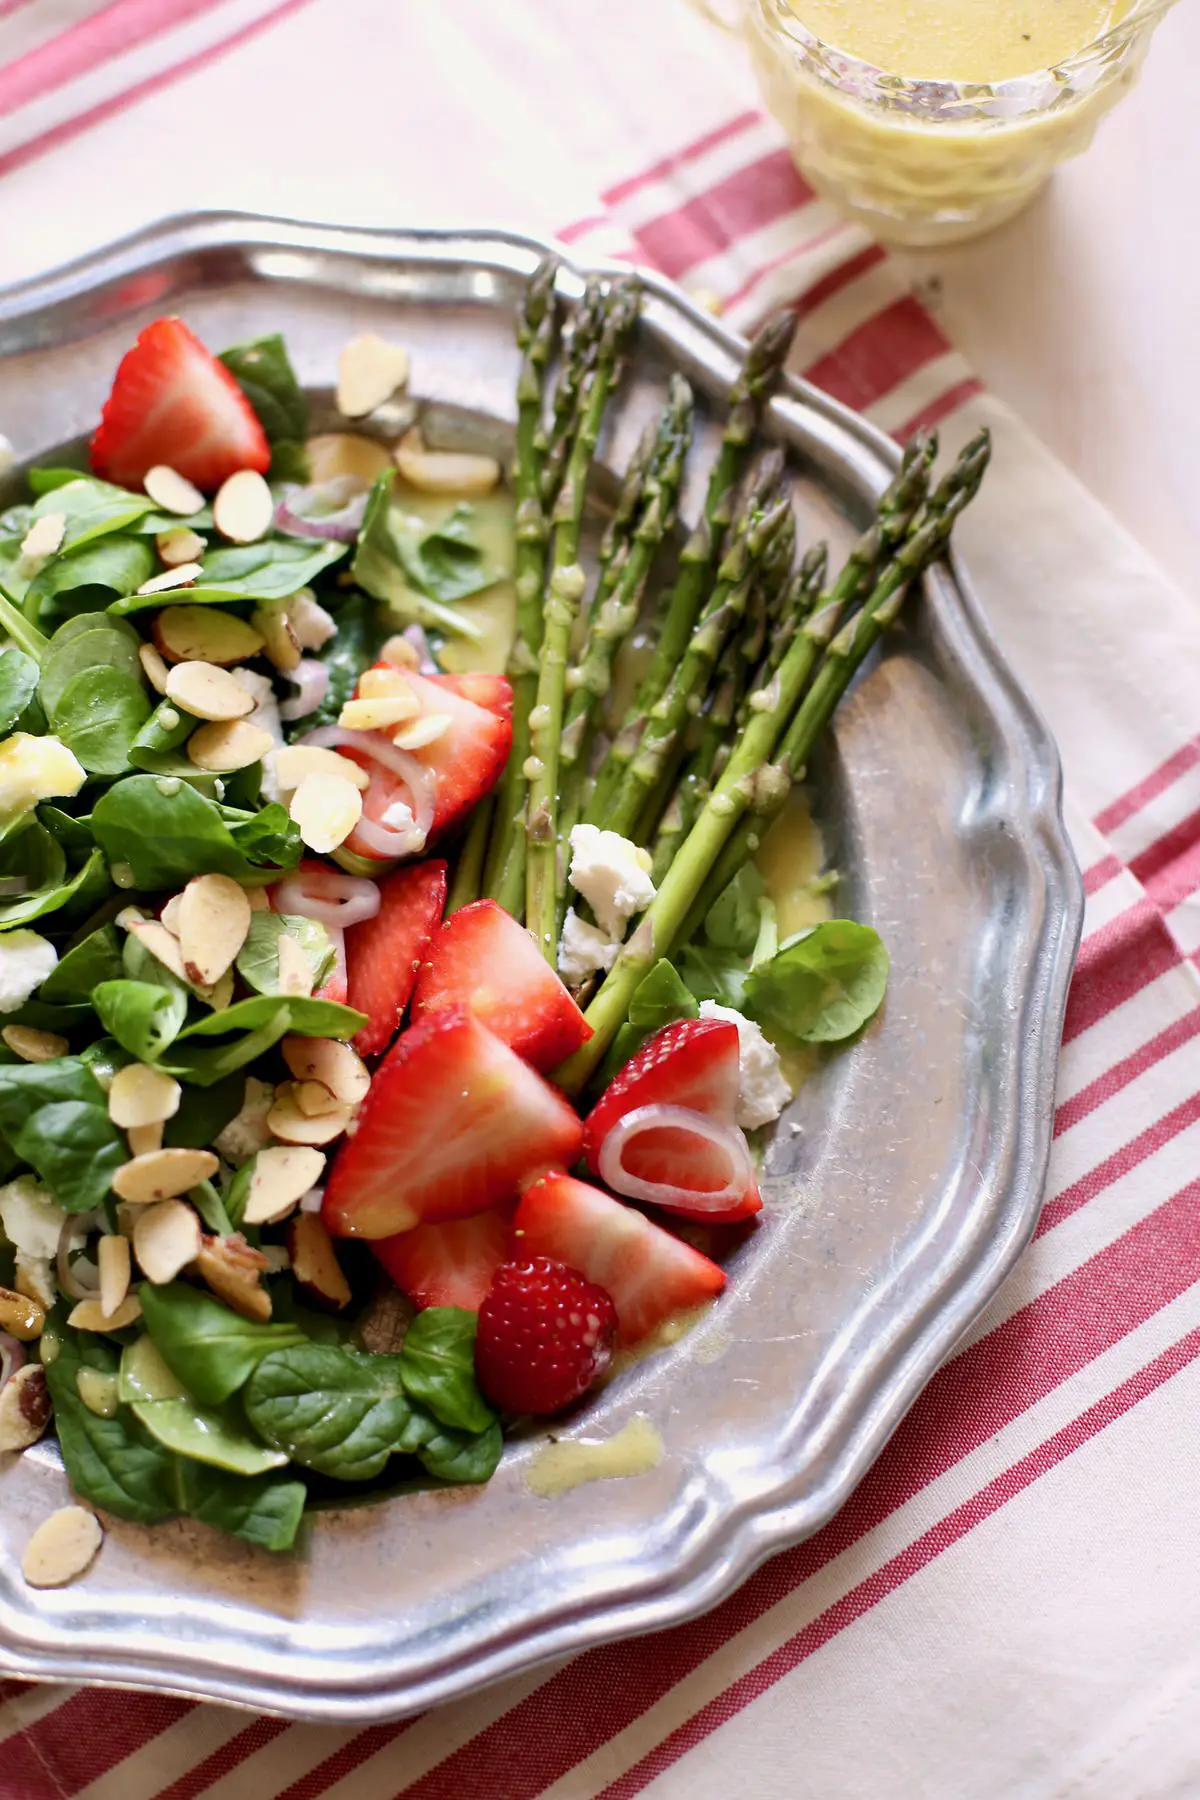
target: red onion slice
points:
(312, 683)
(383, 840)
(727, 1138)
(331, 898)
(12, 1357)
(333, 509)
(70, 1238)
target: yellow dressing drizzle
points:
(567, 1464)
(959, 40)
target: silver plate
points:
(894, 1212)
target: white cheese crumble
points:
(31, 1217)
(25, 961)
(310, 623)
(762, 1090)
(266, 717)
(583, 949)
(247, 1132)
(612, 874)
(398, 816)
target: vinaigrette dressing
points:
(960, 40)
(561, 1466)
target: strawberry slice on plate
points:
(454, 1122)
(651, 1275)
(481, 958)
(383, 954)
(545, 1335)
(692, 1063)
(172, 402)
(451, 1264)
(491, 691)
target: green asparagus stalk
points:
(564, 591)
(579, 357)
(752, 780)
(467, 882)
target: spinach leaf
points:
(208, 1347)
(309, 1018)
(95, 959)
(353, 648)
(207, 1202)
(208, 1434)
(437, 1367)
(92, 508)
(444, 561)
(330, 1408)
(87, 580)
(265, 1510)
(144, 1017)
(103, 1058)
(822, 985)
(458, 1456)
(204, 1065)
(266, 837)
(275, 569)
(83, 652)
(15, 625)
(18, 685)
(165, 839)
(33, 852)
(380, 568)
(258, 959)
(75, 1149)
(204, 1113)
(164, 731)
(74, 835)
(712, 974)
(99, 715)
(660, 998)
(734, 917)
(111, 1463)
(265, 375)
(26, 1086)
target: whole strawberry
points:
(545, 1334)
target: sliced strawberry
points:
(454, 1122)
(172, 402)
(337, 987)
(690, 1171)
(494, 692)
(483, 959)
(691, 1063)
(650, 1274)
(450, 1264)
(545, 1335)
(383, 954)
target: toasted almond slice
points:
(234, 1272)
(172, 492)
(178, 546)
(183, 575)
(141, 1095)
(384, 684)
(292, 1126)
(144, 1138)
(155, 937)
(326, 808)
(295, 970)
(34, 1277)
(214, 917)
(369, 372)
(23, 1318)
(282, 1175)
(89, 1315)
(169, 916)
(207, 692)
(45, 536)
(24, 1407)
(280, 643)
(205, 634)
(162, 1174)
(243, 508)
(219, 994)
(34, 1046)
(260, 900)
(62, 1547)
(335, 1065)
(228, 746)
(334, 453)
(166, 1238)
(112, 1257)
(130, 917)
(444, 471)
(153, 667)
(314, 1098)
(295, 761)
(315, 1266)
(378, 715)
(396, 650)
(422, 731)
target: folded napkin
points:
(1005, 1608)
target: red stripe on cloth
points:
(1115, 963)
(12, 6)
(1159, 779)
(1169, 868)
(91, 1733)
(24, 1776)
(1155, 1050)
(678, 159)
(838, 279)
(800, 252)
(343, 1762)
(940, 409)
(990, 1384)
(89, 43)
(879, 355)
(69, 128)
(1113, 1167)
(12, 1690)
(757, 195)
(580, 228)
(1101, 873)
(223, 1761)
(902, 1567)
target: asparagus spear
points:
(751, 779)
(467, 882)
(582, 349)
(565, 588)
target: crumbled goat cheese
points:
(266, 717)
(398, 816)
(247, 1132)
(25, 961)
(36, 1278)
(762, 1090)
(31, 1217)
(584, 948)
(310, 623)
(612, 874)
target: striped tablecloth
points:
(1005, 1610)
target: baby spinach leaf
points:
(381, 569)
(263, 371)
(268, 837)
(92, 508)
(98, 717)
(33, 852)
(144, 1017)
(95, 959)
(265, 1510)
(75, 835)
(822, 985)
(437, 1366)
(204, 1065)
(111, 1463)
(82, 583)
(275, 569)
(309, 1018)
(103, 1058)
(164, 731)
(258, 959)
(83, 652)
(204, 1113)
(733, 918)
(18, 685)
(24, 1087)
(208, 1347)
(165, 839)
(444, 561)
(207, 1202)
(660, 998)
(346, 655)
(13, 622)
(330, 1408)
(75, 1149)
(207, 1434)
(713, 974)
(459, 1456)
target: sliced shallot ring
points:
(331, 898)
(12, 1357)
(312, 683)
(382, 840)
(68, 1281)
(661, 1193)
(347, 499)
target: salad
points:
(391, 1005)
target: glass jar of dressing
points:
(931, 120)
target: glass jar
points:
(926, 162)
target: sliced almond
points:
(260, 900)
(112, 1258)
(295, 761)
(337, 1066)
(282, 1175)
(162, 1174)
(153, 667)
(144, 1138)
(326, 808)
(89, 1315)
(224, 748)
(44, 537)
(292, 1126)
(369, 372)
(295, 970)
(166, 1238)
(214, 918)
(34, 1046)
(205, 634)
(379, 715)
(315, 1266)
(335, 453)
(141, 1095)
(182, 576)
(396, 650)
(153, 935)
(386, 684)
(422, 731)
(169, 916)
(243, 509)
(178, 546)
(24, 1408)
(207, 692)
(62, 1547)
(24, 1318)
(234, 1272)
(280, 642)
(34, 1277)
(314, 1098)
(219, 995)
(172, 492)
(443, 471)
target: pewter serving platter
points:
(899, 1189)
